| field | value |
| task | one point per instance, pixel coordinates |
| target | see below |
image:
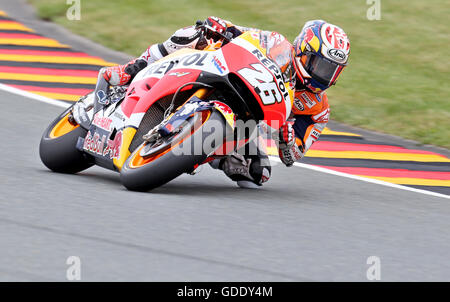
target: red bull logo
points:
(113, 146)
(96, 145)
(309, 35)
(93, 143)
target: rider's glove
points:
(288, 150)
(122, 74)
(214, 25)
(133, 68)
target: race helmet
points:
(320, 53)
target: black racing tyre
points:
(57, 148)
(146, 173)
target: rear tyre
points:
(57, 148)
(146, 173)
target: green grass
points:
(398, 73)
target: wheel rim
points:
(62, 127)
(137, 160)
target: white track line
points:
(34, 96)
(272, 158)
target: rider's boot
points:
(82, 111)
(249, 171)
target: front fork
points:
(173, 120)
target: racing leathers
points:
(309, 115)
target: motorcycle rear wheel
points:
(57, 148)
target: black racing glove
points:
(133, 68)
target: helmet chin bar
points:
(301, 69)
(303, 84)
(306, 79)
(302, 75)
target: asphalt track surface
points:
(302, 226)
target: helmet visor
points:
(321, 69)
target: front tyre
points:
(170, 159)
(57, 148)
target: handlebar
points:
(201, 25)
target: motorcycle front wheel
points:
(181, 153)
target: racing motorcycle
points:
(156, 128)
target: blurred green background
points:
(398, 73)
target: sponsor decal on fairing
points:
(95, 144)
(102, 122)
(218, 64)
(209, 61)
(179, 74)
